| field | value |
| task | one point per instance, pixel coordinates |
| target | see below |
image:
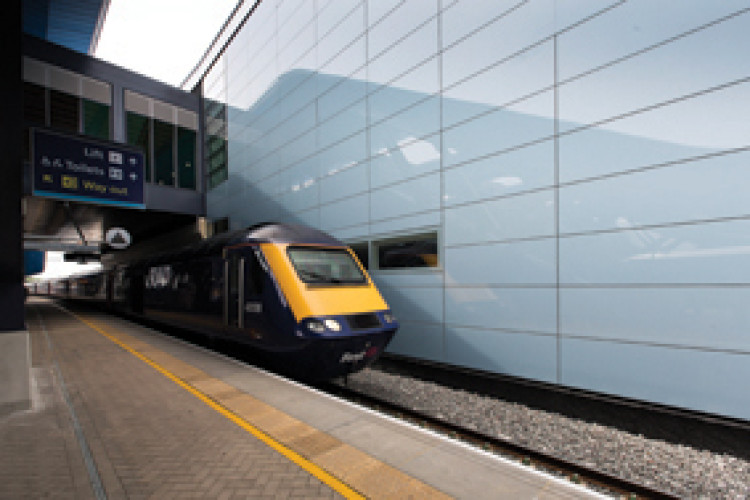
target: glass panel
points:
(338, 93)
(409, 159)
(531, 310)
(522, 355)
(404, 223)
(346, 182)
(417, 304)
(396, 201)
(407, 90)
(687, 317)
(341, 214)
(325, 265)
(342, 125)
(346, 62)
(709, 189)
(139, 135)
(463, 18)
(404, 128)
(519, 262)
(525, 216)
(343, 154)
(417, 340)
(96, 119)
(163, 153)
(636, 25)
(692, 254)
(520, 124)
(521, 28)
(64, 111)
(658, 75)
(186, 157)
(689, 378)
(417, 47)
(518, 170)
(414, 251)
(399, 24)
(340, 36)
(513, 79)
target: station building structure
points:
(52, 88)
(554, 191)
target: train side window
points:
(234, 260)
(415, 251)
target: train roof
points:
(269, 232)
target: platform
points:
(122, 411)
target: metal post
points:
(15, 362)
(241, 294)
(226, 291)
(11, 141)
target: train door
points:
(243, 282)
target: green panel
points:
(186, 157)
(163, 153)
(215, 144)
(216, 161)
(96, 119)
(139, 133)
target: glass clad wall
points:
(579, 163)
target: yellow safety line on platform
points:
(292, 455)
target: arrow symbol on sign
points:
(133, 176)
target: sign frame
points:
(79, 168)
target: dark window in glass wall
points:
(64, 111)
(409, 252)
(163, 153)
(96, 119)
(139, 135)
(186, 157)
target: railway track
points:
(555, 464)
(575, 472)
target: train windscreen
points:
(325, 266)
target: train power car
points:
(293, 292)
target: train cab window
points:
(254, 275)
(410, 252)
(325, 266)
(362, 251)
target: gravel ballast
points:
(678, 469)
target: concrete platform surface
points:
(121, 411)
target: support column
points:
(14, 341)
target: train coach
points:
(296, 293)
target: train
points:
(295, 293)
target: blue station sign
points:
(82, 169)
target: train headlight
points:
(332, 325)
(316, 326)
(389, 317)
(321, 326)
